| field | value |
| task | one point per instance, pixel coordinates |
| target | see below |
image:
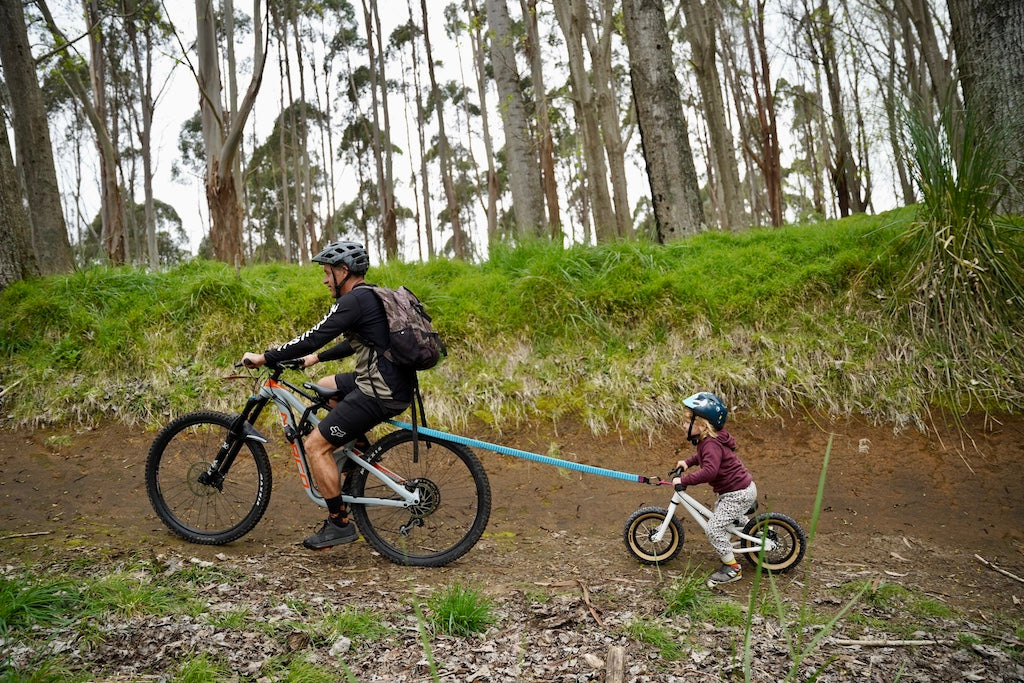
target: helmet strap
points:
(689, 432)
(339, 285)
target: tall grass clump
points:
(460, 611)
(963, 290)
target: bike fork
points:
(241, 431)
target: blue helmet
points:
(710, 407)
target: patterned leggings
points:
(730, 507)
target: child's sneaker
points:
(727, 574)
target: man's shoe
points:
(332, 534)
(727, 574)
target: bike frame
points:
(701, 514)
(288, 405)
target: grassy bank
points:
(800, 317)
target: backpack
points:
(413, 341)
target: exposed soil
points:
(911, 509)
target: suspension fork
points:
(240, 431)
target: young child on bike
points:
(715, 463)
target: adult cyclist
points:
(376, 390)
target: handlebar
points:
(294, 364)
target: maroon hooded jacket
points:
(718, 464)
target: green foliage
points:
(688, 594)
(201, 669)
(773, 319)
(460, 611)
(963, 290)
(656, 635)
(359, 626)
(25, 603)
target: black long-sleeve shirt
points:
(359, 316)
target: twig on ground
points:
(586, 599)
(882, 642)
(25, 535)
(998, 569)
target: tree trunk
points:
(768, 157)
(571, 17)
(222, 135)
(16, 259)
(989, 39)
(144, 83)
(479, 43)
(540, 96)
(454, 209)
(675, 195)
(702, 29)
(520, 145)
(49, 234)
(608, 112)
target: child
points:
(718, 466)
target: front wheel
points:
(199, 501)
(787, 538)
(455, 500)
(639, 534)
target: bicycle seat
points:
(322, 392)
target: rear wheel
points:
(787, 538)
(455, 500)
(640, 530)
(190, 496)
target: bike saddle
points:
(322, 392)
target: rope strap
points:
(516, 453)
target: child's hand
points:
(681, 465)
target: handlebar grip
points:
(675, 473)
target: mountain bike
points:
(417, 499)
(654, 535)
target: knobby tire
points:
(455, 501)
(200, 513)
(642, 525)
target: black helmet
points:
(352, 255)
(710, 407)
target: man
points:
(375, 391)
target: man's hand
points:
(681, 465)
(253, 360)
(311, 359)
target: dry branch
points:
(998, 569)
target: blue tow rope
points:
(516, 453)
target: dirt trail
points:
(913, 507)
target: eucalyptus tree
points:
(476, 26)
(268, 189)
(819, 26)
(95, 100)
(521, 153)
(49, 235)
(572, 18)
(533, 49)
(989, 39)
(675, 195)
(17, 261)
(444, 153)
(406, 44)
(601, 33)
(703, 23)
(223, 126)
(380, 114)
(146, 31)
